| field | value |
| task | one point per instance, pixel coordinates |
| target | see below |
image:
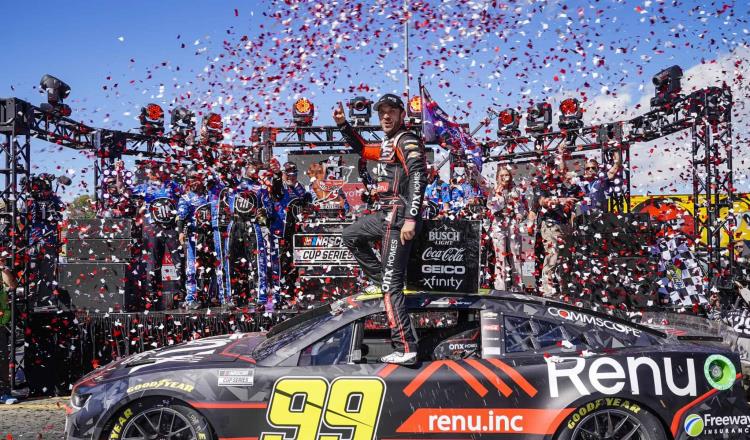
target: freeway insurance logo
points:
(694, 425)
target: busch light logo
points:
(444, 236)
(246, 203)
(162, 210)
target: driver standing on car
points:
(401, 178)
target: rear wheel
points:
(160, 420)
(612, 420)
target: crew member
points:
(437, 193)
(158, 215)
(401, 178)
(198, 223)
(248, 240)
(288, 208)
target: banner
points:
(320, 249)
(445, 257)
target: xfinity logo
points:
(434, 282)
(609, 376)
(444, 235)
(593, 320)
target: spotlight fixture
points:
(56, 91)
(152, 120)
(214, 128)
(360, 110)
(572, 115)
(507, 123)
(539, 118)
(667, 87)
(303, 112)
(414, 110)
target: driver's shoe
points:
(400, 358)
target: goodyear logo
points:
(161, 384)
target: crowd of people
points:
(229, 232)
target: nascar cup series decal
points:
(301, 406)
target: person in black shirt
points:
(557, 197)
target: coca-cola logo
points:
(450, 255)
(444, 236)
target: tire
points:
(611, 418)
(143, 417)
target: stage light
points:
(360, 110)
(572, 115)
(415, 106)
(214, 128)
(667, 86)
(507, 123)
(56, 91)
(539, 118)
(303, 112)
(152, 120)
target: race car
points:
(496, 366)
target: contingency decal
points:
(161, 384)
(237, 377)
(301, 406)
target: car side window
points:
(524, 334)
(334, 349)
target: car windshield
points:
(285, 337)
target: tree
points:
(82, 207)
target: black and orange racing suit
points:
(401, 178)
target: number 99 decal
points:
(302, 404)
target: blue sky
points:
(118, 56)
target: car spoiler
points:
(686, 327)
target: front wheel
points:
(611, 419)
(159, 419)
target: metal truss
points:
(713, 188)
(15, 157)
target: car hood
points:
(190, 355)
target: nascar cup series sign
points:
(445, 257)
(321, 250)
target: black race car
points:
(491, 366)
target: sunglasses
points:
(590, 168)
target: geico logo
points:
(450, 270)
(593, 320)
(608, 376)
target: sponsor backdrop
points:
(445, 257)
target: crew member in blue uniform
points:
(159, 232)
(198, 223)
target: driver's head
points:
(391, 112)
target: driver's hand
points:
(408, 231)
(339, 117)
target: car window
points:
(292, 334)
(333, 349)
(531, 334)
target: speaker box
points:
(116, 250)
(96, 286)
(100, 228)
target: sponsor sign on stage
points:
(321, 250)
(445, 257)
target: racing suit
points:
(401, 179)
(287, 209)
(247, 242)
(159, 232)
(198, 217)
